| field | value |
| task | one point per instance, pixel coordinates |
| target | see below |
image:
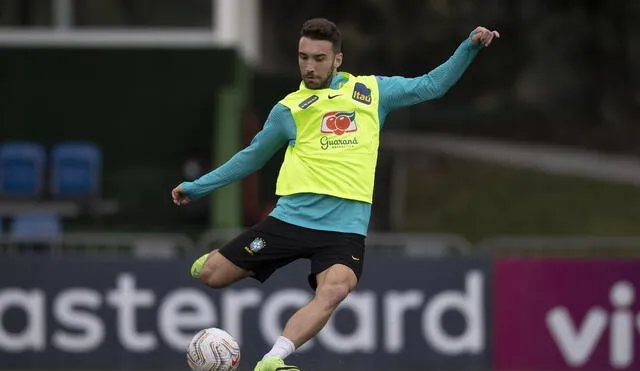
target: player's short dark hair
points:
(323, 29)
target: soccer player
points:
(331, 127)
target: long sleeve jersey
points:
(318, 211)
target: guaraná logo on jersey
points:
(338, 123)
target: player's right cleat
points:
(197, 266)
(274, 364)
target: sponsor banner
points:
(566, 315)
(407, 314)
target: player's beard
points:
(324, 82)
(327, 81)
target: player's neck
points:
(327, 83)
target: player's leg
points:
(336, 267)
(334, 284)
(256, 253)
(217, 271)
(335, 270)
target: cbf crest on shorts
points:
(256, 245)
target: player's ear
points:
(337, 61)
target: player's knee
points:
(333, 293)
(212, 277)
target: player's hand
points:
(482, 36)
(179, 198)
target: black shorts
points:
(273, 244)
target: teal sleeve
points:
(397, 91)
(277, 131)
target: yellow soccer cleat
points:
(197, 266)
(274, 364)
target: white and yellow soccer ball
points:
(213, 349)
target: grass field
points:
(479, 201)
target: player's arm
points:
(397, 92)
(275, 133)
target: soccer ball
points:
(213, 349)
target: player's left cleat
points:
(197, 266)
(274, 364)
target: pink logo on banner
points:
(566, 315)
